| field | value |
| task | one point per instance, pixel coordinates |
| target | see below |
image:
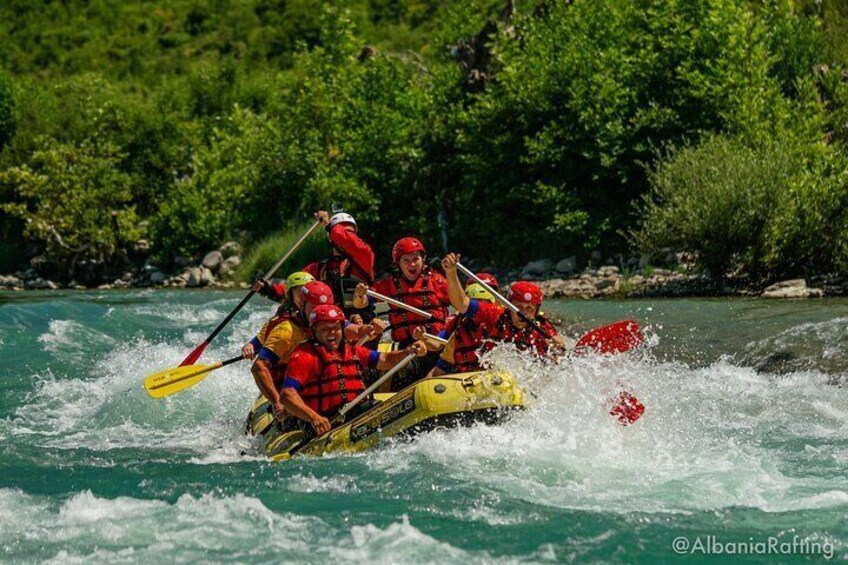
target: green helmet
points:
(477, 292)
(297, 279)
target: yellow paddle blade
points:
(170, 381)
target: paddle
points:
(398, 304)
(533, 323)
(173, 380)
(198, 351)
(616, 338)
(339, 417)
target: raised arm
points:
(459, 300)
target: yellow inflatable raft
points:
(446, 401)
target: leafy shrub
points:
(774, 208)
(75, 200)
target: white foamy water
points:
(87, 528)
(72, 339)
(705, 441)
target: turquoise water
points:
(745, 438)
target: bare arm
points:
(297, 407)
(459, 300)
(392, 358)
(261, 372)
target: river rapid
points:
(744, 441)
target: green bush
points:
(777, 208)
(715, 199)
(75, 200)
(220, 194)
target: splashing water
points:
(95, 471)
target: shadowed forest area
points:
(144, 131)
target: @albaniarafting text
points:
(712, 545)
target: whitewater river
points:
(744, 441)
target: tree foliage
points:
(197, 121)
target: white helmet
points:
(341, 218)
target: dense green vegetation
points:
(713, 126)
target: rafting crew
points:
(498, 324)
(414, 283)
(350, 263)
(327, 371)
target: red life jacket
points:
(525, 338)
(468, 336)
(278, 371)
(421, 295)
(339, 381)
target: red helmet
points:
(326, 313)
(406, 245)
(526, 292)
(317, 293)
(487, 278)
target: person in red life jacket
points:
(466, 336)
(415, 284)
(502, 324)
(351, 261)
(326, 372)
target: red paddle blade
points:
(614, 338)
(627, 408)
(194, 355)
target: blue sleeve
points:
(444, 365)
(267, 355)
(292, 383)
(444, 334)
(373, 359)
(473, 308)
(255, 343)
(371, 301)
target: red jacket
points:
(429, 292)
(468, 336)
(327, 379)
(357, 256)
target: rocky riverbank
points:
(637, 278)
(214, 270)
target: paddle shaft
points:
(398, 304)
(291, 250)
(195, 354)
(503, 300)
(205, 369)
(435, 338)
(355, 402)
